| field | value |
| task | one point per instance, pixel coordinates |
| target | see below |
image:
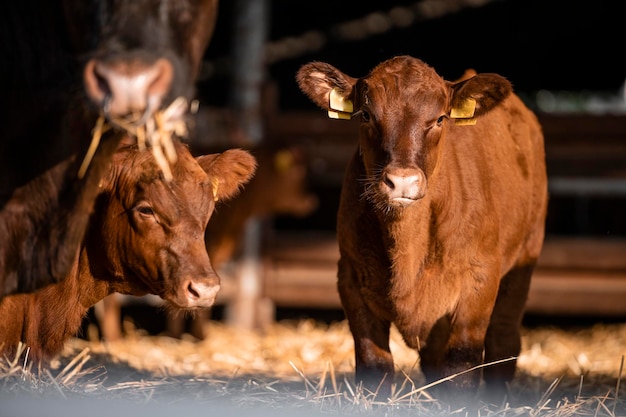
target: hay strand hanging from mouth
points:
(155, 132)
(98, 130)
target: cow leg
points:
(175, 324)
(503, 339)
(374, 363)
(452, 349)
(198, 323)
(109, 314)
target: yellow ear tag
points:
(340, 107)
(339, 103)
(465, 109)
(339, 115)
(465, 122)
(215, 183)
(283, 160)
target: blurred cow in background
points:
(129, 65)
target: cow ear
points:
(317, 80)
(228, 171)
(480, 93)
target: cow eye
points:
(365, 116)
(441, 119)
(145, 210)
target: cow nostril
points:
(163, 75)
(192, 291)
(388, 182)
(96, 85)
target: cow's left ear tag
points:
(464, 110)
(340, 107)
(463, 113)
(465, 122)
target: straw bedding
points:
(305, 366)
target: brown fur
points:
(278, 187)
(48, 118)
(439, 225)
(146, 236)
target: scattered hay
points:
(155, 131)
(308, 366)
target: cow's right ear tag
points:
(339, 115)
(340, 107)
(339, 103)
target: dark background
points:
(538, 45)
(541, 44)
(569, 45)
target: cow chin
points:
(387, 203)
(401, 202)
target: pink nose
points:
(404, 186)
(122, 87)
(198, 294)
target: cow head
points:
(148, 233)
(405, 109)
(147, 52)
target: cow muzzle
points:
(195, 294)
(403, 186)
(124, 88)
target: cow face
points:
(148, 235)
(146, 54)
(405, 109)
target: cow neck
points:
(91, 288)
(408, 231)
(80, 196)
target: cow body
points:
(146, 236)
(440, 223)
(66, 63)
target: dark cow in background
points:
(64, 63)
(146, 236)
(441, 219)
(279, 187)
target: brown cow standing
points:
(146, 236)
(441, 220)
(65, 62)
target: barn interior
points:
(562, 58)
(555, 58)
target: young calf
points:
(279, 186)
(146, 236)
(441, 218)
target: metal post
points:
(249, 37)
